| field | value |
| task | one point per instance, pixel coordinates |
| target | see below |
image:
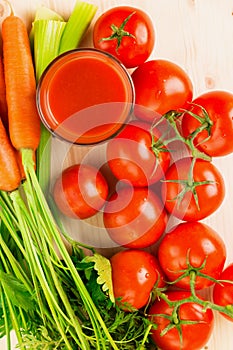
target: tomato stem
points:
(118, 32)
(205, 121)
(172, 117)
(189, 185)
(192, 272)
(193, 298)
(175, 315)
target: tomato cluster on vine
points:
(161, 163)
(191, 256)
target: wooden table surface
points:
(196, 34)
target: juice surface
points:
(86, 98)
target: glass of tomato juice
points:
(85, 96)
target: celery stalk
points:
(47, 35)
(43, 159)
(45, 38)
(77, 24)
(41, 14)
(46, 13)
(46, 50)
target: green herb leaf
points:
(103, 267)
(17, 291)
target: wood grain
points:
(197, 35)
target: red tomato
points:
(194, 335)
(219, 107)
(223, 292)
(134, 274)
(80, 191)
(132, 157)
(125, 32)
(194, 243)
(134, 217)
(179, 192)
(160, 86)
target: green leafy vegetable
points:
(17, 291)
(103, 267)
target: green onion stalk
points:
(53, 250)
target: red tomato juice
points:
(85, 96)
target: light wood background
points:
(198, 35)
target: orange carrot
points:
(3, 103)
(10, 176)
(23, 118)
(4, 115)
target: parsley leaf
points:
(103, 267)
